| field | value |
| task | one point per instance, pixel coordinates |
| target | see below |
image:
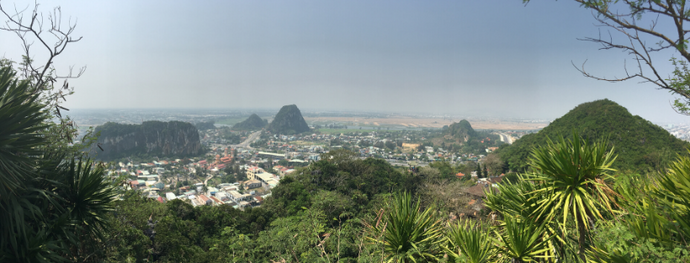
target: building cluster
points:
(148, 178)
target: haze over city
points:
(478, 58)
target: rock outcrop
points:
(151, 138)
(289, 120)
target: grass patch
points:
(230, 121)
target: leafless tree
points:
(53, 33)
(642, 23)
(32, 26)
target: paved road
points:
(506, 138)
(208, 178)
(245, 144)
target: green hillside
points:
(254, 122)
(461, 137)
(640, 145)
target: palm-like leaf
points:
(598, 255)
(21, 117)
(522, 240)
(406, 232)
(517, 199)
(572, 176)
(43, 197)
(674, 190)
(472, 243)
(89, 196)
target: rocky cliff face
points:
(153, 138)
(289, 120)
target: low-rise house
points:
(237, 197)
(204, 200)
(251, 184)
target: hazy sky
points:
(497, 58)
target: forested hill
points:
(460, 136)
(289, 120)
(461, 130)
(640, 145)
(254, 122)
(151, 138)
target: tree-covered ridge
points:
(254, 122)
(461, 137)
(289, 120)
(461, 130)
(172, 138)
(641, 145)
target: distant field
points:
(230, 121)
(339, 131)
(411, 122)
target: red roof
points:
(160, 199)
(216, 200)
(460, 175)
(203, 198)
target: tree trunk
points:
(581, 238)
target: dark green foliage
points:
(640, 145)
(52, 207)
(445, 170)
(254, 122)
(358, 180)
(289, 120)
(152, 138)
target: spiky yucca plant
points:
(521, 240)
(674, 190)
(406, 232)
(572, 175)
(470, 242)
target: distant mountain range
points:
(639, 144)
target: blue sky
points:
(466, 58)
